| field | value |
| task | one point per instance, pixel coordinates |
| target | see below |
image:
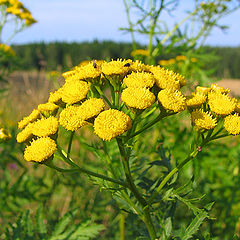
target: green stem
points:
(70, 144)
(89, 172)
(146, 217)
(122, 226)
(103, 96)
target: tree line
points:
(62, 56)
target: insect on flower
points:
(94, 64)
(127, 65)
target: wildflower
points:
(165, 78)
(181, 58)
(70, 120)
(7, 49)
(138, 66)
(90, 72)
(196, 100)
(139, 98)
(203, 120)
(90, 108)
(216, 88)
(237, 107)
(26, 134)
(73, 92)
(118, 67)
(232, 124)
(139, 79)
(34, 115)
(48, 108)
(220, 103)
(45, 127)
(172, 99)
(55, 97)
(4, 135)
(111, 123)
(142, 52)
(203, 90)
(40, 150)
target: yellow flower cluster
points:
(141, 52)
(179, 59)
(4, 135)
(7, 49)
(208, 105)
(134, 86)
(16, 8)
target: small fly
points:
(94, 64)
(127, 65)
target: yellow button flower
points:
(45, 127)
(73, 92)
(90, 108)
(55, 97)
(111, 123)
(139, 98)
(196, 100)
(216, 88)
(203, 120)
(118, 67)
(40, 149)
(220, 103)
(26, 134)
(232, 124)
(48, 108)
(139, 79)
(202, 90)
(33, 116)
(172, 99)
(165, 78)
(70, 119)
(138, 66)
(4, 135)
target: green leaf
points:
(193, 227)
(28, 224)
(62, 224)
(41, 227)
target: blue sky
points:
(79, 20)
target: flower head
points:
(48, 108)
(33, 116)
(45, 127)
(90, 108)
(111, 123)
(118, 67)
(139, 79)
(232, 124)
(139, 98)
(40, 149)
(70, 119)
(216, 88)
(172, 100)
(55, 97)
(203, 120)
(166, 78)
(202, 90)
(4, 135)
(26, 134)
(75, 91)
(196, 100)
(220, 103)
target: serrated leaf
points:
(193, 227)
(62, 224)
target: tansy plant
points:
(120, 100)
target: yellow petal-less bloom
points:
(4, 135)
(202, 90)
(139, 98)
(216, 88)
(70, 119)
(55, 97)
(26, 134)
(118, 67)
(90, 108)
(172, 100)
(165, 78)
(45, 127)
(73, 92)
(33, 116)
(139, 80)
(48, 108)
(142, 52)
(203, 120)
(196, 100)
(232, 124)
(138, 66)
(40, 149)
(111, 123)
(220, 103)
